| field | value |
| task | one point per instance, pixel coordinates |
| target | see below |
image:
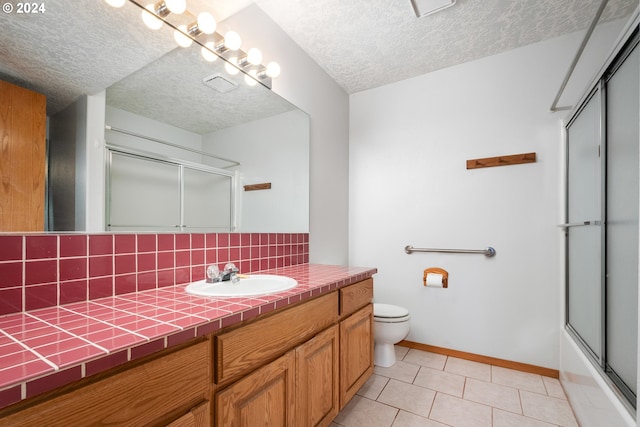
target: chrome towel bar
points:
(488, 252)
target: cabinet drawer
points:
(145, 394)
(355, 296)
(250, 346)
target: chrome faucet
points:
(213, 274)
(230, 272)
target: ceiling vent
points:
(427, 7)
(219, 83)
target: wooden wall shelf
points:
(489, 162)
(253, 187)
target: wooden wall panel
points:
(22, 158)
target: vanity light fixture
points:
(253, 57)
(154, 15)
(181, 38)
(271, 70)
(230, 41)
(152, 18)
(251, 79)
(427, 7)
(230, 66)
(205, 23)
(176, 6)
(207, 52)
(116, 3)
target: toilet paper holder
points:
(436, 270)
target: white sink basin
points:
(254, 284)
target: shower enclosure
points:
(602, 139)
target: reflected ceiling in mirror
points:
(77, 49)
(179, 77)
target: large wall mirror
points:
(122, 98)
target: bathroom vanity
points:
(295, 365)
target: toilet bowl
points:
(390, 326)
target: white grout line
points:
(70, 333)
(41, 357)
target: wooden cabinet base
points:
(152, 393)
(356, 352)
(262, 398)
(317, 392)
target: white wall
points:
(409, 142)
(269, 150)
(152, 128)
(307, 86)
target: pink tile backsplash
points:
(74, 245)
(101, 244)
(75, 267)
(11, 248)
(38, 247)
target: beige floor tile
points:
(507, 419)
(518, 379)
(468, 368)
(495, 395)
(549, 409)
(409, 397)
(402, 371)
(554, 388)
(361, 411)
(460, 413)
(437, 380)
(407, 419)
(425, 358)
(373, 387)
(401, 352)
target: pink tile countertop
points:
(44, 349)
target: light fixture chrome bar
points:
(554, 106)
(488, 252)
(159, 141)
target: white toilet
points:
(390, 326)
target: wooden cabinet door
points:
(264, 398)
(317, 391)
(22, 158)
(356, 352)
(200, 416)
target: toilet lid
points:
(389, 311)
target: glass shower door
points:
(144, 194)
(622, 221)
(208, 200)
(584, 226)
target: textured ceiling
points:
(364, 44)
(78, 48)
(74, 49)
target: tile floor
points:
(431, 390)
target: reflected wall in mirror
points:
(99, 66)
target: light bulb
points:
(180, 38)
(206, 23)
(273, 69)
(207, 54)
(176, 6)
(116, 3)
(254, 56)
(250, 79)
(230, 66)
(150, 18)
(232, 40)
